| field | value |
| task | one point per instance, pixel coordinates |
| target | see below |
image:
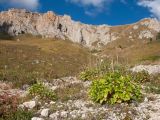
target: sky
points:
(96, 12)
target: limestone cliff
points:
(20, 21)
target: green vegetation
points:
(141, 77)
(9, 108)
(19, 115)
(100, 70)
(114, 88)
(158, 36)
(42, 92)
(153, 86)
(89, 74)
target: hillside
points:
(54, 68)
(49, 25)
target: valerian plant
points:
(114, 88)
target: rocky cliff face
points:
(20, 21)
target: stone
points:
(145, 34)
(30, 104)
(64, 114)
(54, 116)
(52, 102)
(37, 118)
(151, 69)
(145, 99)
(135, 27)
(45, 112)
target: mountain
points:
(49, 25)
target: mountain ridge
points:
(50, 25)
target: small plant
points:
(19, 114)
(8, 104)
(141, 77)
(89, 74)
(100, 70)
(153, 89)
(154, 85)
(114, 88)
(42, 91)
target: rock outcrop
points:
(151, 69)
(21, 21)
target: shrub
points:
(141, 77)
(8, 104)
(154, 85)
(153, 89)
(19, 115)
(89, 74)
(42, 91)
(114, 88)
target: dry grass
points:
(32, 58)
(133, 52)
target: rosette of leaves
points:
(114, 88)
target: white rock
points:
(52, 102)
(135, 27)
(151, 69)
(21, 106)
(84, 116)
(130, 37)
(145, 34)
(37, 118)
(45, 112)
(145, 99)
(54, 116)
(30, 104)
(64, 114)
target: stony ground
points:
(79, 107)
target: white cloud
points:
(94, 3)
(92, 7)
(28, 4)
(152, 5)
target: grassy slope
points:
(33, 58)
(133, 52)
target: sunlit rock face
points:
(21, 21)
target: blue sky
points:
(111, 12)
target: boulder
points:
(30, 104)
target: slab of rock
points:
(30, 104)
(45, 112)
(54, 116)
(37, 118)
(151, 69)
